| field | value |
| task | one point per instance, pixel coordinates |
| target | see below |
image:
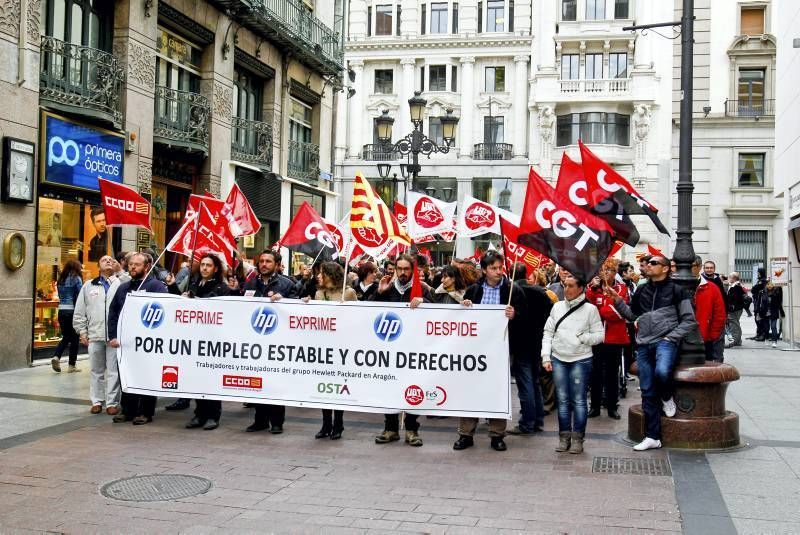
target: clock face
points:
(14, 250)
(17, 252)
(19, 180)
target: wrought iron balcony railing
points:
(303, 161)
(608, 86)
(181, 119)
(251, 142)
(750, 108)
(492, 151)
(376, 152)
(81, 79)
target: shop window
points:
(751, 170)
(750, 249)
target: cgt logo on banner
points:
(388, 326)
(264, 320)
(152, 315)
(169, 377)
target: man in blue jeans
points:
(664, 316)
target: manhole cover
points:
(642, 467)
(155, 488)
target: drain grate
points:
(642, 467)
(155, 488)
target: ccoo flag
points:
(123, 205)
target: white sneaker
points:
(669, 407)
(647, 444)
(774, 344)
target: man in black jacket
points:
(269, 283)
(398, 290)
(735, 307)
(493, 288)
(137, 407)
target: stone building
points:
(171, 97)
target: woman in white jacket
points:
(574, 326)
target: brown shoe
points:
(96, 409)
(112, 411)
(141, 420)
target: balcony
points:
(592, 88)
(492, 151)
(291, 26)
(378, 153)
(251, 142)
(303, 161)
(82, 80)
(750, 108)
(181, 119)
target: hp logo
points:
(388, 326)
(68, 152)
(152, 315)
(264, 320)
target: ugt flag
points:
(123, 205)
(309, 234)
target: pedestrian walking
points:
(493, 288)
(138, 408)
(69, 284)
(90, 321)
(774, 306)
(736, 302)
(574, 326)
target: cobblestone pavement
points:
(54, 457)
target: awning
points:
(794, 223)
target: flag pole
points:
(344, 278)
(194, 240)
(151, 268)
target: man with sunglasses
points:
(664, 316)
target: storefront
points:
(263, 191)
(70, 220)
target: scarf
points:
(402, 288)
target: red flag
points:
(123, 206)
(309, 234)
(400, 212)
(513, 251)
(617, 246)
(654, 251)
(213, 204)
(416, 285)
(212, 237)
(237, 210)
(371, 221)
(183, 240)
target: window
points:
(454, 79)
(369, 21)
(80, 22)
(247, 104)
(480, 17)
(495, 79)
(621, 9)
(594, 66)
(435, 130)
(618, 65)
(383, 20)
(399, 11)
(493, 129)
(422, 78)
(751, 88)
(301, 156)
(510, 15)
(595, 9)
(422, 18)
(455, 17)
(751, 249)
(301, 195)
(384, 79)
(495, 21)
(569, 9)
(593, 127)
(751, 170)
(438, 78)
(438, 17)
(752, 21)
(569, 67)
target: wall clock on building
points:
(14, 250)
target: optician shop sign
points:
(77, 155)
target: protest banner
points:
(371, 357)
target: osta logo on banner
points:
(415, 395)
(152, 315)
(242, 381)
(333, 388)
(169, 377)
(264, 320)
(388, 326)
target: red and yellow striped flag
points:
(371, 221)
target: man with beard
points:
(137, 407)
(271, 284)
(398, 290)
(98, 245)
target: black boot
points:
(324, 432)
(179, 405)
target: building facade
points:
(170, 97)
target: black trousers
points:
(605, 375)
(274, 415)
(629, 350)
(69, 337)
(392, 422)
(208, 409)
(134, 405)
(332, 419)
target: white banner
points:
(427, 215)
(477, 217)
(371, 357)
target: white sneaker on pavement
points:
(647, 444)
(774, 344)
(669, 407)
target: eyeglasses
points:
(656, 263)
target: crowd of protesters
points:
(571, 342)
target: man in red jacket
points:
(711, 316)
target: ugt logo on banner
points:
(388, 326)
(264, 320)
(152, 315)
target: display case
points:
(46, 330)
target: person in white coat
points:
(89, 320)
(574, 326)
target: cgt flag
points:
(514, 252)
(572, 184)
(569, 235)
(607, 187)
(309, 234)
(123, 206)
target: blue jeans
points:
(526, 375)
(773, 327)
(572, 382)
(655, 361)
